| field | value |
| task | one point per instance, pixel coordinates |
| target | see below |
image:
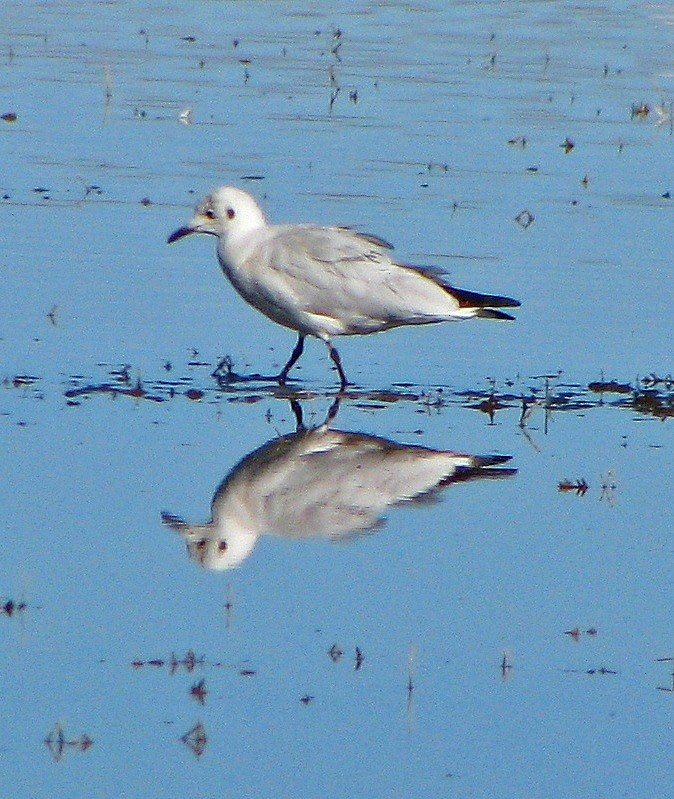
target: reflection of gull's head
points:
(320, 483)
(210, 547)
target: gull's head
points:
(224, 212)
(215, 545)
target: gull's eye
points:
(222, 546)
(231, 213)
(210, 213)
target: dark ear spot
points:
(231, 213)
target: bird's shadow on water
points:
(322, 482)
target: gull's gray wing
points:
(341, 281)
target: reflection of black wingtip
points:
(491, 460)
(490, 474)
(486, 467)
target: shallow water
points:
(513, 633)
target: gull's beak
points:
(178, 234)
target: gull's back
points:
(330, 281)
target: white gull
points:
(326, 281)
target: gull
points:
(321, 482)
(326, 281)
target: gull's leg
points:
(338, 363)
(299, 347)
(333, 410)
(297, 411)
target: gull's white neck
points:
(236, 245)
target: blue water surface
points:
(514, 636)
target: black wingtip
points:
(473, 299)
(492, 313)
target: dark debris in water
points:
(22, 381)
(137, 391)
(578, 487)
(575, 633)
(601, 670)
(650, 396)
(525, 219)
(9, 607)
(610, 386)
(639, 110)
(567, 145)
(188, 663)
(198, 691)
(59, 744)
(196, 739)
(335, 653)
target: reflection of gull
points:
(326, 281)
(320, 482)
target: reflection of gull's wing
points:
(340, 483)
(320, 482)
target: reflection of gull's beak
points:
(178, 234)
